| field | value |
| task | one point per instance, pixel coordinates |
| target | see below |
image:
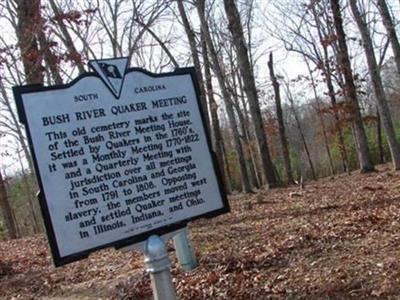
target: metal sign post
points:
(158, 266)
(184, 250)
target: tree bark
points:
(30, 196)
(49, 57)
(235, 27)
(281, 125)
(379, 137)
(391, 31)
(28, 29)
(303, 138)
(245, 134)
(6, 211)
(326, 68)
(67, 39)
(218, 143)
(253, 154)
(321, 119)
(196, 62)
(29, 23)
(377, 85)
(227, 99)
(365, 161)
(22, 141)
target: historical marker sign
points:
(120, 155)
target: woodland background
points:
(293, 90)
(303, 104)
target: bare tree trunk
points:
(379, 137)
(254, 155)
(227, 99)
(29, 25)
(22, 141)
(331, 92)
(218, 143)
(7, 187)
(338, 127)
(29, 196)
(236, 30)
(321, 120)
(6, 211)
(391, 30)
(196, 62)
(365, 161)
(18, 129)
(67, 39)
(233, 88)
(281, 125)
(377, 85)
(245, 134)
(303, 138)
(49, 58)
(29, 22)
(227, 168)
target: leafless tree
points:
(6, 211)
(390, 29)
(235, 27)
(217, 68)
(365, 161)
(376, 80)
(281, 125)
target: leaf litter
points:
(338, 238)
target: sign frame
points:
(59, 260)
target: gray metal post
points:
(184, 250)
(158, 266)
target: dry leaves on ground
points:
(338, 240)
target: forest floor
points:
(335, 239)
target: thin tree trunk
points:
(227, 168)
(21, 138)
(254, 155)
(67, 39)
(18, 130)
(303, 139)
(245, 135)
(391, 31)
(227, 99)
(196, 62)
(281, 125)
(218, 143)
(30, 196)
(6, 211)
(326, 68)
(377, 85)
(242, 120)
(364, 156)
(17, 226)
(235, 27)
(49, 58)
(321, 120)
(379, 137)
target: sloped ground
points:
(336, 239)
